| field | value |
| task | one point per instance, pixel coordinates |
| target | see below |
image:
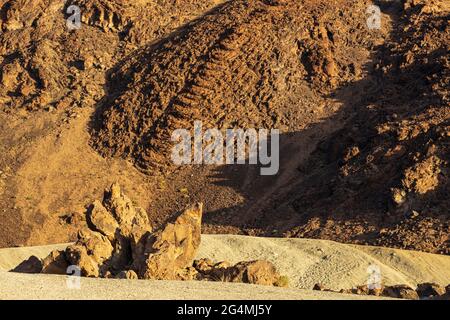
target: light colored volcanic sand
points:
(335, 265)
(23, 286)
(304, 261)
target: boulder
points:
(401, 292)
(55, 263)
(97, 245)
(367, 290)
(203, 265)
(429, 290)
(174, 247)
(187, 274)
(253, 272)
(31, 265)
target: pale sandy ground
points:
(304, 261)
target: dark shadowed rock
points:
(77, 255)
(429, 290)
(401, 292)
(31, 265)
(319, 287)
(128, 274)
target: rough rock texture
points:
(34, 32)
(91, 253)
(129, 274)
(111, 243)
(121, 244)
(103, 221)
(429, 290)
(55, 263)
(173, 248)
(254, 272)
(244, 65)
(306, 67)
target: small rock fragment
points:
(129, 274)
(31, 265)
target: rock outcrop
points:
(172, 249)
(400, 291)
(430, 290)
(55, 263)
(119, 243)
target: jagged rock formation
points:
(120, 243)
(55, 263)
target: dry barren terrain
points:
(305, 262)
(364, 116)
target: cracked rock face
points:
(172, 249)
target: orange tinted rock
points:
(102, 220)
(175, 246)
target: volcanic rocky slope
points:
(245, 64)
(364, 114)
(381, 179)
(35, 32)
(387, 169)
